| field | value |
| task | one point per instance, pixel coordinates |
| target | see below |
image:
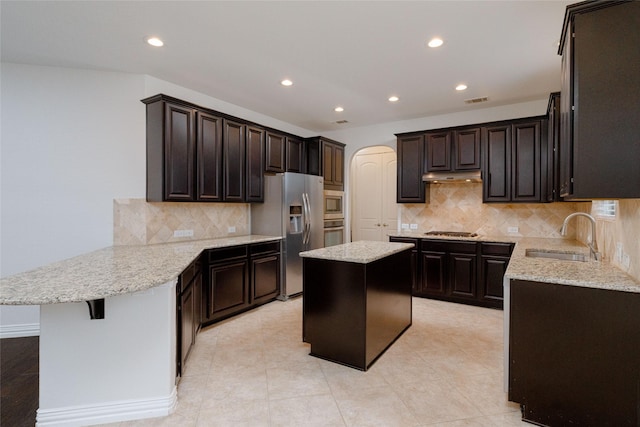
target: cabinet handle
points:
(385, 225)
(377, 225)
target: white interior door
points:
(374, 194)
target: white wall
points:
(72, 141)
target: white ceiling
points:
(354, 54)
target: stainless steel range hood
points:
(444, 177)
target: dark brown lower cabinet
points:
(188, 303)
(467, 272)
(265, 272)
(573, 354)
(240, 278)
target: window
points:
(605, 209)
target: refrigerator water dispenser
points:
(295, 219)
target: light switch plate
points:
(512, 229)
(232, 229)
(405, 226)
(413, 226)
(626, 261)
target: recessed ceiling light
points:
(286, 82)
(435, 42)
(338, 109)
(393, 99)
(461, 87)
(154, 41)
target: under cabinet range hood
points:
(460, 176)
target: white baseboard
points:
(20, 330)
(108, 413)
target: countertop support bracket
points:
(96, 308)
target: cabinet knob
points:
(377, 225)
(385, 225)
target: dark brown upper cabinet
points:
(326, 157)
(255, 164)
(295, 155)
(453, 150)
(600, 112)
(233, 148)
(410, 187)
(515, 153)
(275, 152)
(209, 157)
(170, 130)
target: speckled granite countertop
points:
(110, 271)
(601, 275)
(361, 252)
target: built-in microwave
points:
(333, 204)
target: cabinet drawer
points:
(449, 246)
(501, 249)
(265, 248)
(225, 254)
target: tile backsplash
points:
(138, 222)
(459, 207)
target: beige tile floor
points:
(254, 370)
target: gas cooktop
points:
(451, 233)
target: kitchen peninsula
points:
(357, 300)
(121, 366)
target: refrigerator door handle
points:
(306, 219)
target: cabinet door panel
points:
(265, 273)
(186, 324)
(433, 273)
(438, 151)
(275, 151)
(467, 149)
(338, 166)
(493, 269)
(234, 164)
(410, 163)
(497, 182)
(462, 275)
(255, 165)
(209, 148)
(228, 288)
(179, 153)
(295, 155)
(526, 162)
(328, 166)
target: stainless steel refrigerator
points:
(292, 209)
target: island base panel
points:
(353, 312)
(574, 354)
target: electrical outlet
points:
(183, 233)
(413, 226)
(512, 229)
(232, 229)
(626, 261)
(405, 226)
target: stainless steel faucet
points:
(593, 245)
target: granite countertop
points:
(591, 274)
(110, 271)
(602, 275)
(361, 252)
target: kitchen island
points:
(108, 319)
(357, 300)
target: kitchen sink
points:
(561, 255)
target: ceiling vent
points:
(476, 100)
(341, 122)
